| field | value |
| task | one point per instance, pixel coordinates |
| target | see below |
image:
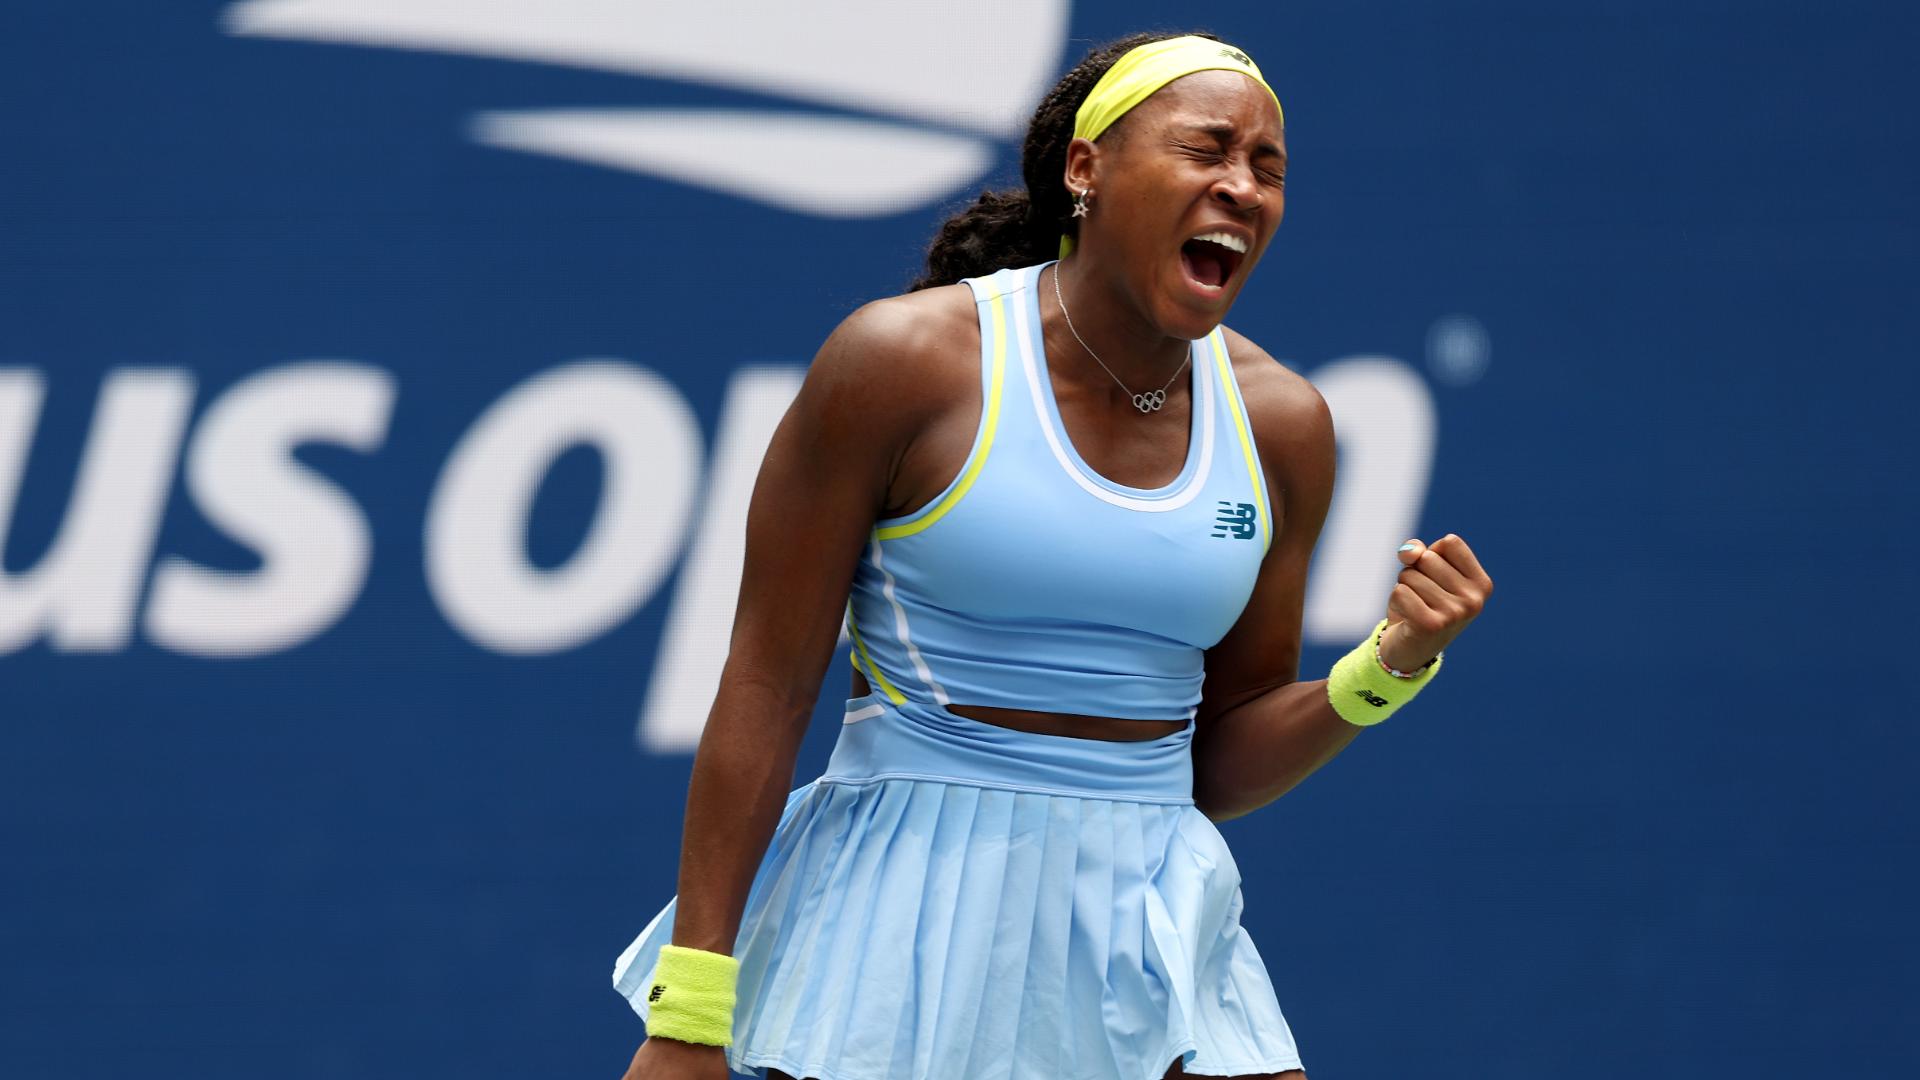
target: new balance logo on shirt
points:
(1236, 521)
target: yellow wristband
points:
(1361, 690)
(692, 996)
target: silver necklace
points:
(1147, 402)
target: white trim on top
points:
(1195, 484)
(900, 627)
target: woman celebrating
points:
(1066, 517)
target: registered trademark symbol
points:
(1458, 350)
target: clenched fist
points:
(1441, 589)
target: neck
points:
(1107, 320)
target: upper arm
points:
(821, 485)
(1293, 432)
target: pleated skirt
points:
(953, 900)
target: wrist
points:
(1396, 655)
(1364, 689)
(1401, 662)
(692, 996)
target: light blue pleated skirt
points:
(957, 901)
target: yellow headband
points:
(1134, 77)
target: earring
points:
(1081, 201)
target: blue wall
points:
(1658, 819)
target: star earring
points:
(1082, 201)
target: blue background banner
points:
(381, 383)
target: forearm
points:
(742, 775)
(1252, 754)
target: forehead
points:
(1211, 99)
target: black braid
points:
(1020, 228)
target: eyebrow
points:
(1224, 133)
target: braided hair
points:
(1019, 228)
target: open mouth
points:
(1211, 258)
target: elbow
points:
(1214, 812)
(1216, 804)
(782, 698)
(1225, 797)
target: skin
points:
(1205, 151)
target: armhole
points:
(1243, 430)
(990, 302)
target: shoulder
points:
(897, 361)
(893, 348)
(1291, 422)
(911, 323)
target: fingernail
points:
(1410, 545)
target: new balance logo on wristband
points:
(657, 991)
(1367, 696)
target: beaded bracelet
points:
(1364, 690)
(1396, 672)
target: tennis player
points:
(1066, 516)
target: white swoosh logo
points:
(973, 71)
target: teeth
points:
(1232, 243)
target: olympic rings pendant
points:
(1151, 401)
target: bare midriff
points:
(1065, 725)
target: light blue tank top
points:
(1033, 582)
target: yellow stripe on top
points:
(863, 662)
(989, 422)
(1232, 392)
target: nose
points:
(1237, 189)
